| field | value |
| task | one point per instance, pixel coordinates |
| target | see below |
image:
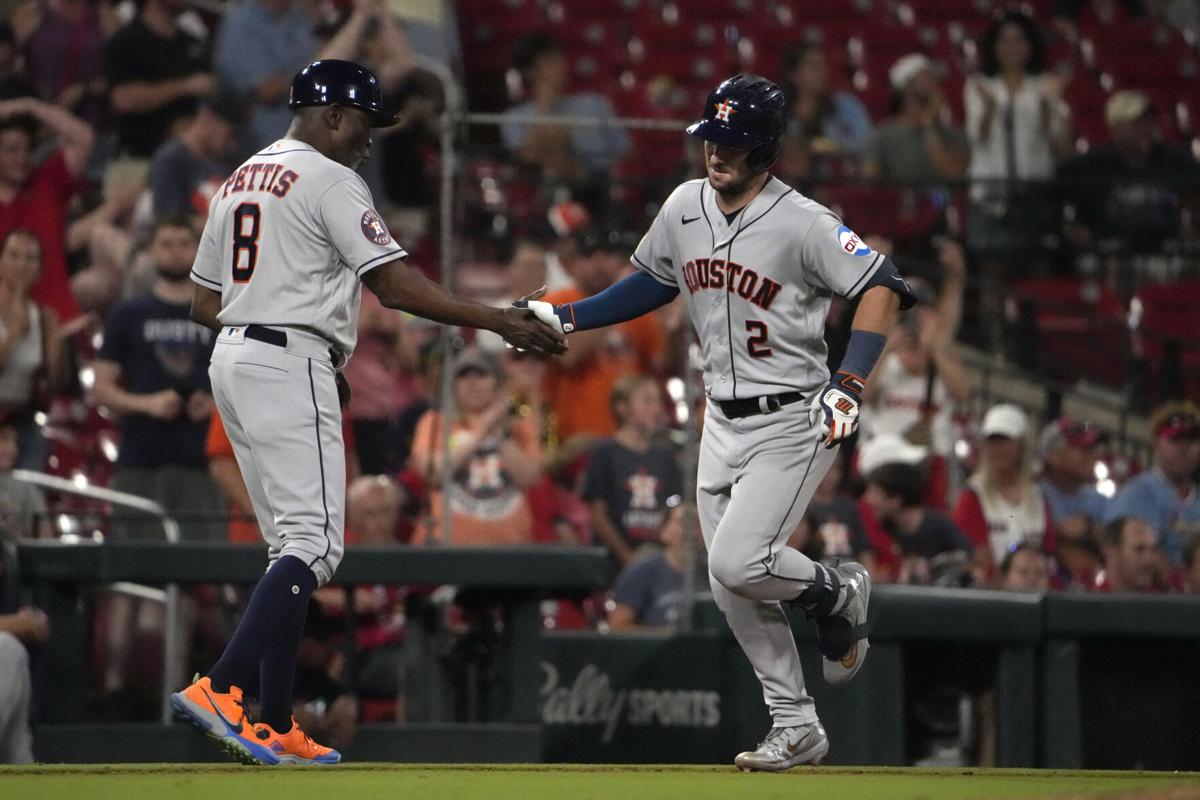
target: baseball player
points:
(291, 235)
(757, 263)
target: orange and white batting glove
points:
(836, 408)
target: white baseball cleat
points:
(844, 634)
(784, 748)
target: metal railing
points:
(169, 596)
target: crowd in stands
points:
(117, 121)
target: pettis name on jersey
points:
(273, 178)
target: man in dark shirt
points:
(629, 477)
(913, 544)
(188, 169)
(1134, 187)
(157, 72)
(152, 370)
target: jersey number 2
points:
(757, 343)
(247, 220)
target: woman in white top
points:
(1002, 506)
(1017, 127)
(31, 349)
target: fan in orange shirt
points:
(494, 458)
(579, 382)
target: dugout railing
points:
(1092, 681)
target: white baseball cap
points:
(1007, 420)
(906, 68)
(889, 448)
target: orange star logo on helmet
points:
(725, 110)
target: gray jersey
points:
(757, 288)
(289, 236)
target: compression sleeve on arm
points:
(628, 298)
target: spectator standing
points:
(1166, 495)
(580, 382)
(186, 170)
(152, 370)
(913, 544)
(1132, 558)
(36, 196)
(918, 145)
(260, 45)
(921, 381)
(1001, 505)
(32, 356)
(494, 456)
(1017, 127)
(64, 55)
(1132, 188)
(578, 157)
(1070, 450)
(1024, 570)
(832, 123)
(647, 594)
(631, 480)
(22, 506)
(157, 73)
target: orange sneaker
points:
(294, 747)
(221, 717)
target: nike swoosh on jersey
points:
(683, 220)
(232, 728)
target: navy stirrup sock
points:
(277, 675)
(281, 596)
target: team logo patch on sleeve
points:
(850, 243)
(374, 229)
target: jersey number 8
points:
(247, 221)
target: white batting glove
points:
(544, 312)
(836, 409)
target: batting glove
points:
(546, 313)
(836, 408)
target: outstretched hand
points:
(531, 324)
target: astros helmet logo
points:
(725, 110)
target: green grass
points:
(422, 782)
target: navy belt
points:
(764, 404)
(265, 334)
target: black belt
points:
(265, 334)
(765, 404)
(278, 338)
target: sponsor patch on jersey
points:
(374, 229)
(850, 243)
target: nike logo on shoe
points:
(850, 659)
(683, 220)
(232, 728)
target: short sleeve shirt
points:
(634, 486)
(290, 233)
(757, 286)
(158, 347)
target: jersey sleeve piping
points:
(870, 270)
(379, 260)
(205, 282)
(652, 273)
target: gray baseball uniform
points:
(289, 236)
(757, 288)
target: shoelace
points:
(776, 737)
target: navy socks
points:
(280, 598)
(277, 674)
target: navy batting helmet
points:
(746, 112)
(330, 81)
